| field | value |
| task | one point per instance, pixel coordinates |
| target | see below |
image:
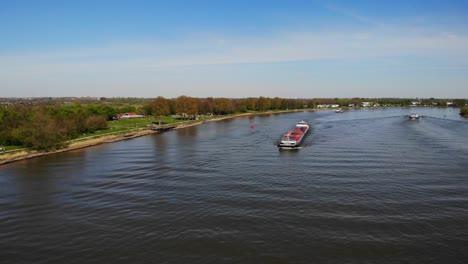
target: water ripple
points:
(367, 186)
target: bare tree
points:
(160, 106)
(186, 105)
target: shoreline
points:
(6, 158)
(19, 155)
(30, 154)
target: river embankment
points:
(23, 154)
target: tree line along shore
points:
(43, 125)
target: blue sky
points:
(236, 49)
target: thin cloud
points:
(354, 15)
(282, 47)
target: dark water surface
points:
(368, 186)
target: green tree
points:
(108, 111)
(127, 109)
(146, 110)
(276, 103)
(442, 103)
(42, 133)
(464, 111)
(9, 120)
(459, 102)
(263, 103)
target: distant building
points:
(129, 115)
(366, 104)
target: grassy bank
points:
(21, 154)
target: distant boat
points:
(339, 110)
(293, 138)
(413, 116)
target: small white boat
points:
(413, 116)
(339, 110)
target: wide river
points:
(367, 186)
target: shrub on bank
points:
(464, 111)
(94, 123)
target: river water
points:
(367, 186)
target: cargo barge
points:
(293, 138)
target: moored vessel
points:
(293, 138)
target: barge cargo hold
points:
(293, 138)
